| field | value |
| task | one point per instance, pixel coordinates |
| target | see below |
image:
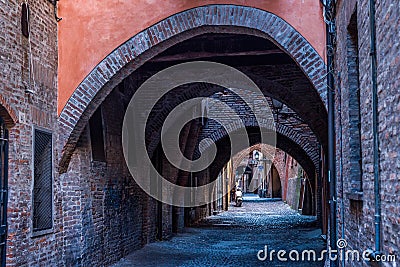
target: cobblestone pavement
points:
(234, 237)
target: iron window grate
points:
(43, 182)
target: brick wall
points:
(359, 214)
(107, 215)
(36, 109)
(287, 168)
(388, 36)
(293, 195)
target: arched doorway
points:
(274, 183)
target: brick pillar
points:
(72, 207)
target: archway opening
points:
(257, 173)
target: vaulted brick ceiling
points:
(301, 127)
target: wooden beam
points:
(200, 55)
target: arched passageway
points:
(118, 212)
(144, 46)
(271, 173)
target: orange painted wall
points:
(91, 29)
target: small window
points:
(25, 20)
(96, 136)
(43, 181)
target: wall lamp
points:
(54, 2)
(278, 107)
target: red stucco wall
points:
(91, 29)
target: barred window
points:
(43, 181)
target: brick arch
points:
(307, 140)
(311, 150)
(283, 143)
(7, 113)
(150, 42)
(218, 132)
(214, 132)
(240, 156)
(278, 162)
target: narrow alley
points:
(199, 133)
(234, 237)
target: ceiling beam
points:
(203, 55)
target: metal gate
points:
(3, 189)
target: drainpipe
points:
(377, 195)
(330, 35)
(319, 188)
(342, 236)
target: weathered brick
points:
(40, 110)
(359, 215)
